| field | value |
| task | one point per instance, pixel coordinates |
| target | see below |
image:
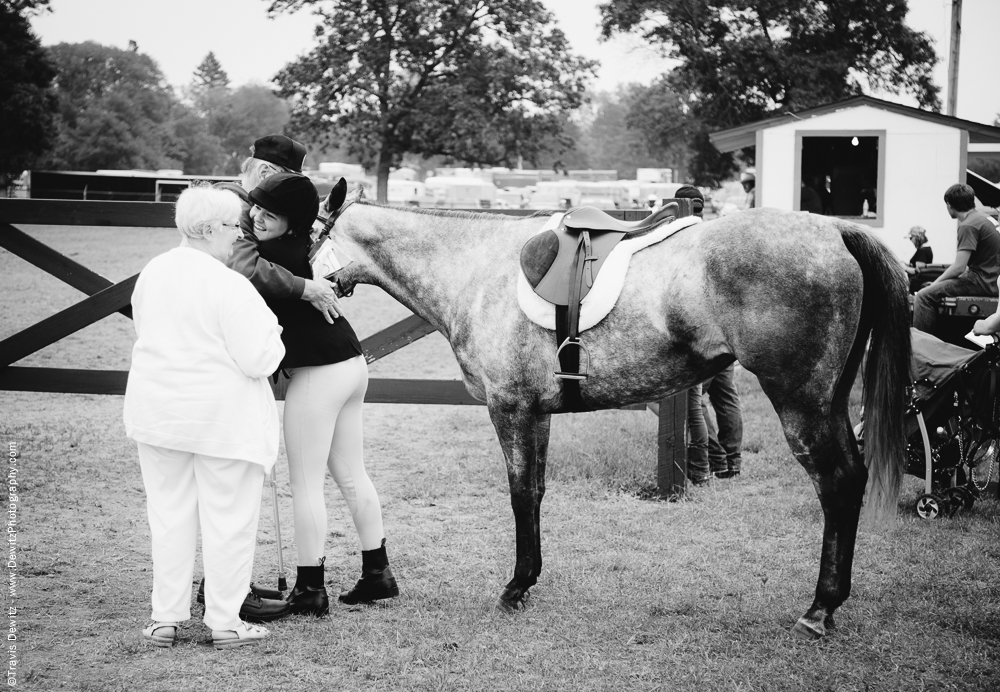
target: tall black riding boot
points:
(309, 595)
(376, 580)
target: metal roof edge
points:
(734, 138)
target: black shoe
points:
(261, 591)
(373, 586)
(699, 481)
(254, 608)
(257, 609)
(730, 473)
(309, 596)
(376, 581)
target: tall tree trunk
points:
(382, 174)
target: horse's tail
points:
(884, 317)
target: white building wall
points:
(922, 159)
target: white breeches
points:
(183, 491)
(323, 430)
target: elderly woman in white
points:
(200, 409)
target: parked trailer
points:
(454, 192)
(555, 194)
(408, 193)
(604, 195)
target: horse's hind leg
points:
(524, 438)
(824, 444)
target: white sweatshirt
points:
(207, 342)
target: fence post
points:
(671, 457)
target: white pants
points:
(183, 491)
(323, 431)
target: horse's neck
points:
(433, 264)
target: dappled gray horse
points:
(793, 296)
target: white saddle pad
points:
(608, 284)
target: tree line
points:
(471, 82)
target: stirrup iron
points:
(582, 375)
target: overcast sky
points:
(252, 48)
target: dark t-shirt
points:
(923, 254)
(978, 235)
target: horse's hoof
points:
(808, 631)
(512, 601)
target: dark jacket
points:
(309, 339)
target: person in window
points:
(810, 200)
(748, 179)
(977, 259)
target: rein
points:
(344, 287)
(332, 219)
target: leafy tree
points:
(660, 116)
(26, 8)
(743, 61)
(210, 75)
(236, 119)
(617, 138)
(566, 150)
(114, 109)
(196, 150)
(26, 98)
(987, 167)
(479, 81)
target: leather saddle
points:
(561, 265)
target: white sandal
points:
(241, 636)
(161, 634)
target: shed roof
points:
(746, 135)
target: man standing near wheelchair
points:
(977, 259)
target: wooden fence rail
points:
(105, 297)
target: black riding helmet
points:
(291, 195)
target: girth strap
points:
(568, 327)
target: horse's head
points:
(331, 208)
(337, 202)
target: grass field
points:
(635, 594)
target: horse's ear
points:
(335, 200)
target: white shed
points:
(877, 163)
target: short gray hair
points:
(199, 209)
(255, 171)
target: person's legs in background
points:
(728, 441)
(697, 448)
(716, 454)
(926, 300)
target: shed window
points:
(840, 174)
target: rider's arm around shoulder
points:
(271, 280)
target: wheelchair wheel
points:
(930, 506)
(959, 498)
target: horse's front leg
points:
(524, 438)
